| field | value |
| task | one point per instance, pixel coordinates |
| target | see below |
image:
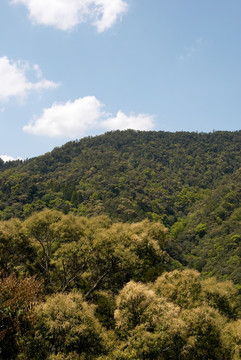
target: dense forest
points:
(123, 246)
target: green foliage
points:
(83, 231)
(204, 334)
(201, 230)
(124, 174)
(15, 249)
(67, 324)
(222, 296)
(151, 321)
(138, 305)
(150, 326)
(232, 340)
(68, 252)
(180, 287)
(190, 182)
(209, 237)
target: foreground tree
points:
(17, 298)
(180, 287)
(149, 326)
(66, 326)
(90, 254)
(38, 229)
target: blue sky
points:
(73, 68)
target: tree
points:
(222, 296)
(67, 324)
(149, 326)
(182, 287)
(231, 338)
(15, 249)
(125, 251)
(17, 298)
(204, 334)
(38, 228)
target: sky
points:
(76, 68)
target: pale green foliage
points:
(97, 222)
(137, 304)
(38, 228)
(13, 246)
(125, 250)
(180, 287)
(222, 296)
(130, 244)
(70, 356)
(204, 325)
(152, 327)
(68, 229)
(76, 252)
(70, 262)
(132, 302)
(232, 340)
(156, 316)
(68, 324)
(149, 325)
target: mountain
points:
(126, 174)
(188, 181)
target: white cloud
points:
(14, 82)
(6, 158)
(123, 122)
(66, 14)
(71, 119)
(82, 116)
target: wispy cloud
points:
(38, 71)
(14, 82)
(66, 14)
(76, 119)
(189, 51)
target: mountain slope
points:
(128, 175)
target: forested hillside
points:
(122, 246)
(128, 175)
(188, 181)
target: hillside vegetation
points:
(123, 246)
(188, 181)
(127, 175)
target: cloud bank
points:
(69, 119)
(14, 82)
(6, 158)
(123, 122)
(66, 14)
(76, 119)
